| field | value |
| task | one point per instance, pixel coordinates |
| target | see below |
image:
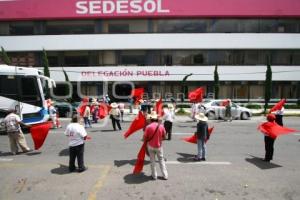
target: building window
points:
(70, 27)
(76, 58)
(133, 58)
(21, 28)
(125, 26)
(182, 26)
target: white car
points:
(214, 109)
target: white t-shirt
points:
(169, 115)
(75, 133)
(11, 122)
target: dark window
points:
(70, 27)
(118, 28)
(182, 26)
(8, 87)
(21, 28)
(133, 60)
(30, 91)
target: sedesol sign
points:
(120, 7)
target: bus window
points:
(8, 87)
(30, 91)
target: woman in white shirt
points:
(169, 116)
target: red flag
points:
(193, 138)
(159, 108)
(103, 110)
(138, 123)
(137, 93)
(39, 133)
(278, 106)
(138, 167)
(196, 95)
(273, 130)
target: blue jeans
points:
(87, 122)
(201, 149)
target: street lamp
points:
(183, 85)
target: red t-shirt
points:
(156, 140)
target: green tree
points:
(5, 57)
(268, 85)
(45, 64)
(216, 82)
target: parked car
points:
(214, 109)
(65, 109)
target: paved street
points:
(233, 169)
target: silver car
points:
(214, 109)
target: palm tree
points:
(216, 82)
(5, 57)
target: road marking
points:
(99, 183)
(197, 163)
(6, 159)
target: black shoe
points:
(72, 169)
(266, 160)
(197, 159)
(82, 169)
(203, 159)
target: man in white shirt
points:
(76, 134)
(16, 137)
(169, 116)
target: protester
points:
(121, 106)
(52, 113)
(279, 116)
(16, 137)
(228, 116)
(202, 135)
(86, 116)
(168, 117)
(95, 110)
(269, 141)
(76, 134)
(154, 134)
(115, 116)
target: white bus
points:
(21, 88)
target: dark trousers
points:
(278, 120)
(76, 152)
(269, 146)
(168, 127)
(114, 122)
(87, 122)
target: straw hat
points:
(114, 105)
(201, 117)
(153, 115)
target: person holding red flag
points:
(76, 134)
(279, 110)
(202, 135)
(154, 134)
(272, 130)
(16, 137)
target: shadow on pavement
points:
(120, 163)
(136, 178)
(33, 153)
(111, 130)
(64, 152)
(5, 153)
(258, 162)
(185, 157)
(61, 170)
